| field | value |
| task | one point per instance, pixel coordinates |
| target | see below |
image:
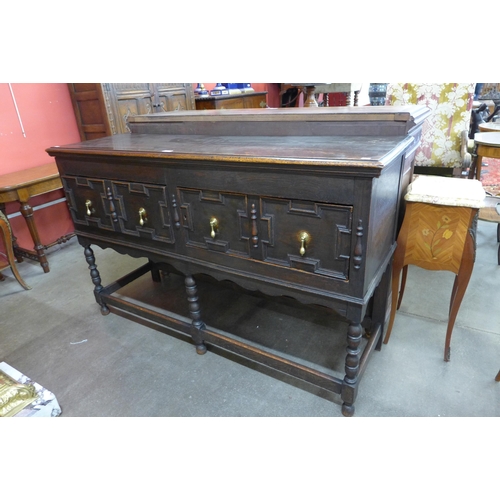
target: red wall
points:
(48, 119)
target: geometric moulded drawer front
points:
(143, 210)
(302, 235)
(135, 209)
(313, 237)
(86, 199)
(216, 221)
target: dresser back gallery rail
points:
(303, 203)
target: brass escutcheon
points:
(88, 204)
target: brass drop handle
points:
(88, 204)
(143, 217)
(213, 226)
(304, 238)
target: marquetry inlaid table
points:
(438, 234)
(21, 186)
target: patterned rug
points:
(490, 175)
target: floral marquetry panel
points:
(436, 235)
(451, 105)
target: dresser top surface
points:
(366, 151)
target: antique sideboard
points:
(303, 203)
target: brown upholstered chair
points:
(6, 238)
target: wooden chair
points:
(6, 238)
(438, 234)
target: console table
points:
(21, 186)
(290, 202)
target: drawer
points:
(88, 201)
(134, 209)
(294, 234)
(143, 210)
(215, 220)
(305, 235)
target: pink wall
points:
(48, 119)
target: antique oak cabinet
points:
(303, 203)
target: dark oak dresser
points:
(296, 202)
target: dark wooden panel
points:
(90, 110)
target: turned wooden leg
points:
(27, 212)
(195, 314)
(96, 279)
(350, 383)
(459, 288)
(497, 378)
(7, 239)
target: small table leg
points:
(27, 212)
(459, 288)
(7, 239)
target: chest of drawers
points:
(247, 198)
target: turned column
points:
(96, 279)
(350, 383)
(195, 314)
